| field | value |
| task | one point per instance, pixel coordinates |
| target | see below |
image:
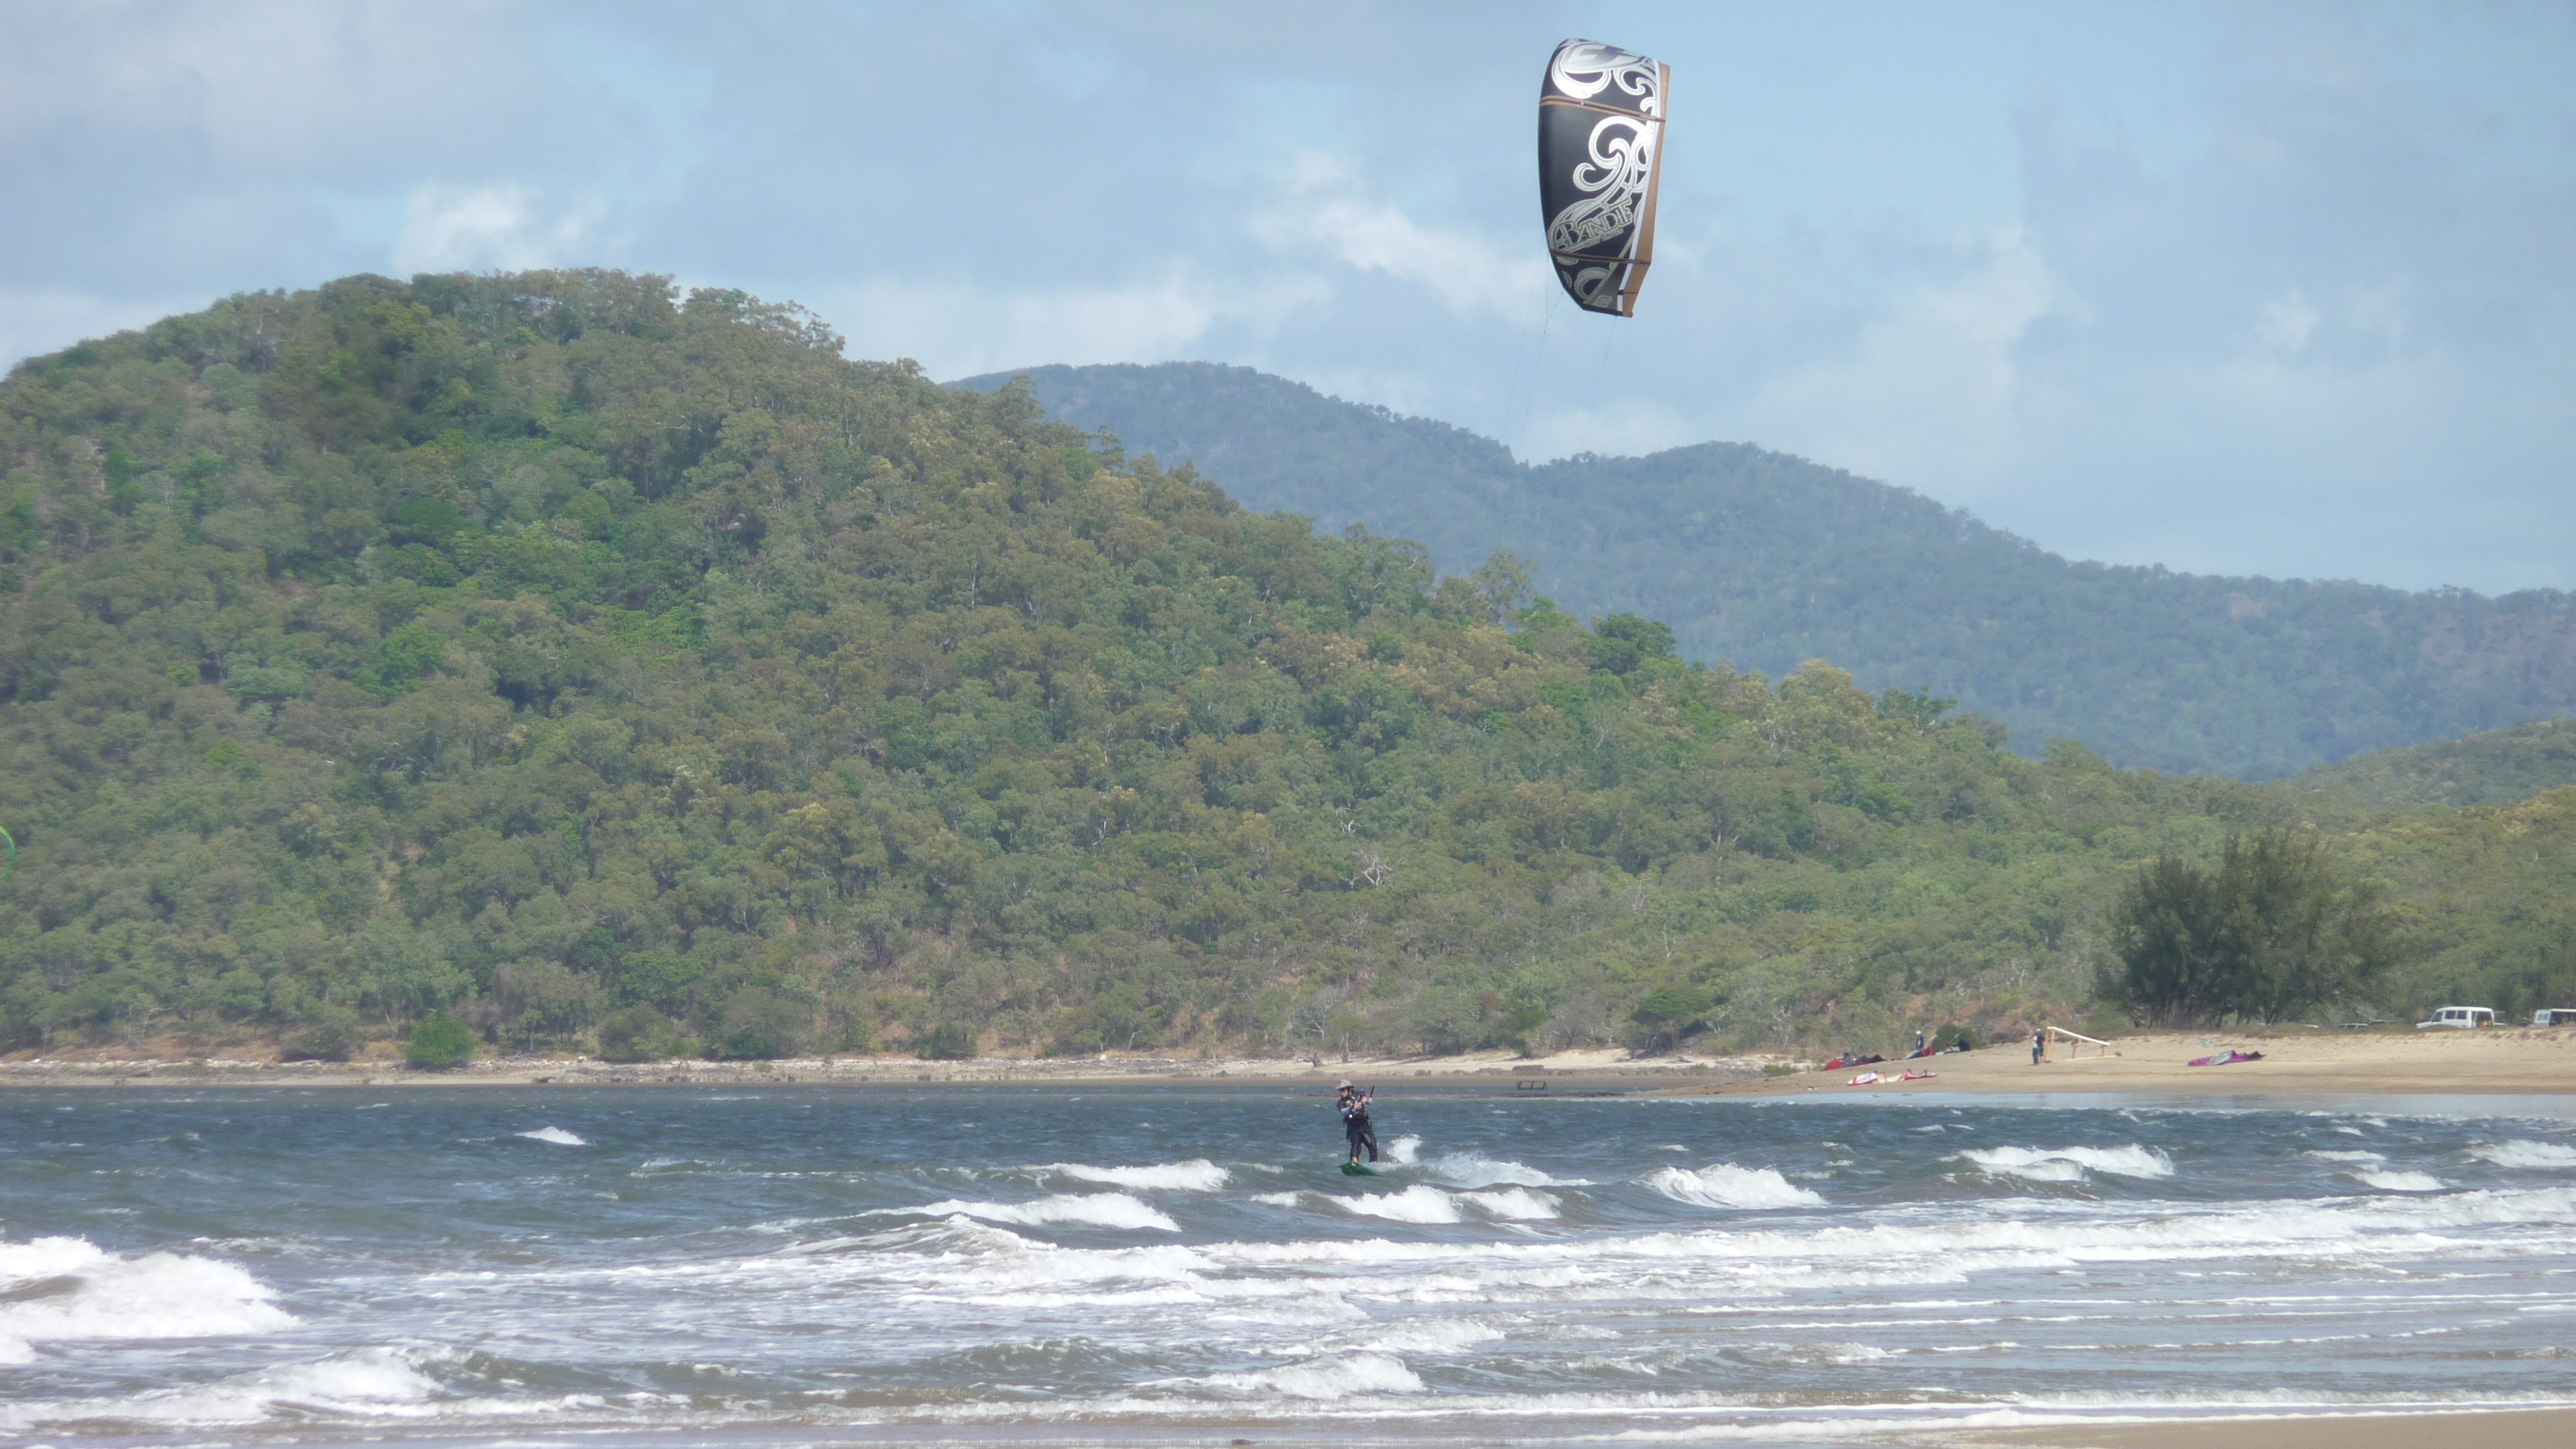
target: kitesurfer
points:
(1353, 1104)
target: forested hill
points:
(602, 666)
(1766, 560)
(2494, 768)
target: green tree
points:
(2269, 934)
(440, 1043)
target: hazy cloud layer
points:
(2255, 289)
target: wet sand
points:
(2507, 1429)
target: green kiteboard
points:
(1355, 1169)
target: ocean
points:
(676, 1265)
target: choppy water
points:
(781, 1266)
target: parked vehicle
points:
(2460, 1016)
(2554, 1016)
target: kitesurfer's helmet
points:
(1342, 1087)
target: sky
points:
(2280, 288)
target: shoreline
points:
(2493, 1428)
(1588, 1073)
(2295, 1063)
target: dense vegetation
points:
(1766, 560)
(2494, 768)
(585, 663)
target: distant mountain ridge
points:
(1767, 560)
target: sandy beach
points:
(2294, 1062)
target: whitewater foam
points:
(1419, 1203)
(69, 1289)
(368, 1383)
(1403, 1148)
(1514, 1204)
(1196, 1175)
(556, 1135)
(2395, 1181)
(1430, 1335)
(2526, 1154)
(1725, 1185)
(2069, 1164)
(1474, 1169)
(1339, 1378)
(1092, 1209)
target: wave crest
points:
(1338, 1378)
(1725, 1185)
(1196, 1175)
(1092, 1209)
(2526, 1154)
(2069, 1164)
(54, 1289)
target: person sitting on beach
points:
(1353, 1104)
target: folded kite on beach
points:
(2224, 1058)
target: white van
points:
(2460, 1016)
(2560, 1016)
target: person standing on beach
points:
(1353, 1104)
(2038, 1045)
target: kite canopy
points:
(1600, 154)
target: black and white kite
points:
(1600, 154)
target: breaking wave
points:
(69, 1289)
(366, 1383)
(2069, 1164)
(555, 1135)
(1339, 1378)
(1725, 1185)
(1196, 1175)
(1474, 1169)
(2526, 1154)
(1090, 1209)
(2394, 1181)
(1415, 1204)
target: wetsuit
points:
(1355, 1125)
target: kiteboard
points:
(1354, 1169)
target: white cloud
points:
(1930, 393)
(1324, 207)
(460, 229)
(2287, 322)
